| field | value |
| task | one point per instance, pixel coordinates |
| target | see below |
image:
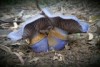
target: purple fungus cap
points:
(85, 26)
(60, 44)
(18, 34)
(41, 46)
(57, 39)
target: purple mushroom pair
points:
(56, 38)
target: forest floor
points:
(80, 53)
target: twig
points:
(5, 48)
(19, 57)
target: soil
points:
(80, 53)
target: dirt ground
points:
(80, 53)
